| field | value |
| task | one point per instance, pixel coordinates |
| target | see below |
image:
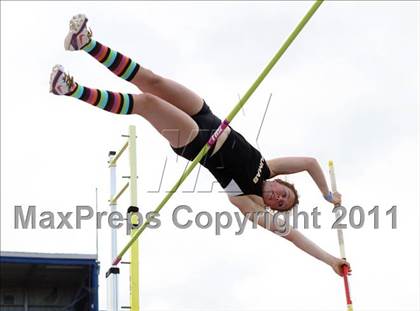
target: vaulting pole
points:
(224, 124)
(341, 241)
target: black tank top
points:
(238, 166)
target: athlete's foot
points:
(78, 35)
(60, 82)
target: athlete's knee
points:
(144, 103)
(155, 79)
(150, 78)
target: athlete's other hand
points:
(338, 264)
(334, 198)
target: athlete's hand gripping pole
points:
(224, 124)
(341, 240)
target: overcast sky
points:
(347, 89)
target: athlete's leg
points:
(79, 38)
(171, 91)
(172, 123)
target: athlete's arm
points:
(248, 207)
(314, 250)
(291, 165)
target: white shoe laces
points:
(68, 79)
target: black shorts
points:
(207, 123)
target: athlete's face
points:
(277, 196)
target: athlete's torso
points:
(238, 166)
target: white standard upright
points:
(113, 272)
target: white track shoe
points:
(60, 82)
(78, 35)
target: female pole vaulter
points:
(185, 120)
